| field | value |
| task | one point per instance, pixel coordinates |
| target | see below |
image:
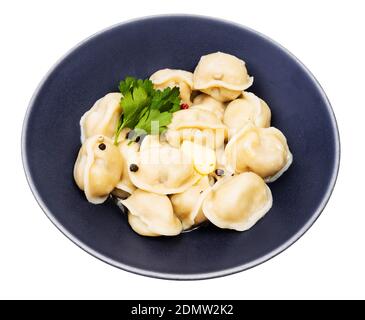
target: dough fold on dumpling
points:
(102, 118)
(237, 202)
(262, 150)
(206, 102)
(196, 125)
(195, 118)
(161, 168)
(188, 204)
(174, 78)
(247, 109)
(222, 76)
(98, 168)
(151, 214)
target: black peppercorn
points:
(102, 146)
(219, 172)
(133, 167)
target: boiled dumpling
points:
(222, 76)
(200, 126)
(102, 118)
(206, 102)
(161, 168)
(262, 150)
(174, 78)
(187, 205)
(151, 214)
(238, 202)
(247, 109)
(98, 168)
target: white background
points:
(37, 261)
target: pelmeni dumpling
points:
(222, 76)
(247, 109)
(151, 214)
(262, 150)
(200, 126)
(102, 118)
(98, 168)
(188, 204)
(161, 168)
(237, 202)
(206, 102)
(174, 78)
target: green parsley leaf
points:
(153, 121)
(126, 85)
(166, 100)
(144, 107)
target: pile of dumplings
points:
(214, 161)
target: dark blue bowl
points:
(51, 139)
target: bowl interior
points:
(300, 110)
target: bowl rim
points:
(177, 276)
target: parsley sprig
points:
(142, 104)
